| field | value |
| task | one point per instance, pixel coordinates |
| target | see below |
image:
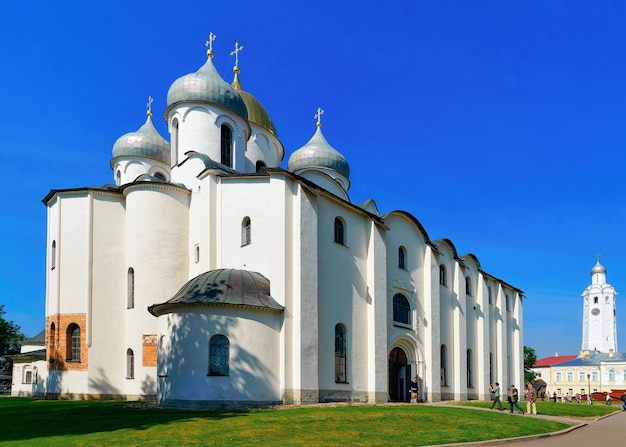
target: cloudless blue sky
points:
(498, 125)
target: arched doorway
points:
(399, 376)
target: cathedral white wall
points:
(157, 239)
(262, 146)
(254, 355)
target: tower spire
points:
(318, 117)
(235, 53)
(209, 45)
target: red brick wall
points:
(57, 342)
(149, 345)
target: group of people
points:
(513, 399)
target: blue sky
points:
(499, 125)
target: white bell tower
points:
(599, 320)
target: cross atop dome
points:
(318, 117)
(235, 53)
(209, 45)
(149, 106)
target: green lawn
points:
(558, 409)
(27, 422)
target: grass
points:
(574, 410)
(28, 422)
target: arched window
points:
(197, 253)
(246, 232)
(444, 365)
(339, 231)
(53, 255)
(118, 177)
(470, 383)
(401, 309)
(73, 343)
(611, 374)
(595, 300)
(490, 300)
(340, 353)
(52, 342)
(402, 257)
(219, 352)
(174, 142)
(443, 280)
(468, 286)
(130, 289)
(160, 176)
(227, 146)
(130, 364)
(260, 165)
(28, 376)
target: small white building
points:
(28, 366)
(208, 275)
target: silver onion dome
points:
(206, 85)
(318, 153)
(146, 142)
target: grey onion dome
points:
(206, 85)
(598, 268)
(318, 153)
(145, 142)
(225, 287)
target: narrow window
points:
(491, 367)
(260, 165)
(73, 343)
(227, 146)
(53, 255)
(558, 376)
(118, 178)
(468, 286)
(469, 369)
(611, 374)
(508, 304)
(444, 365)
(595, 300)
(246, 235)
(570, 376)
(197, 253)
(402, 257)
(162, 357)
(52, 342)
(219, 348)
(443, 280)
(130, 364)
(401, 309)
(489, 294)
(28, 378)
(130, 289)
(339, 231)
(340, 354)
(174, 142)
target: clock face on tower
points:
(595, 311)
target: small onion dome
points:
(145, 142)
(317, 153)
(256, 112)
(223, 287)
(206, 85)
(598, 268)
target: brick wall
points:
(58, 343)
(149, 347)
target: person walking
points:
(623, 399)
(608, 399)
(531, 400)
(513, 398)
(495, 389)
(414, 389)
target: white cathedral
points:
(209, 276)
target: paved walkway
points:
(607, 431)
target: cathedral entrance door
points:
(399, 376)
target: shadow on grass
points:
(24, 419)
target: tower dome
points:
(318, 153)
(146, 142)
(598, 268)
(206, 85)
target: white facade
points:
(357, 302)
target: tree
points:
(530, 358)
(10, 335)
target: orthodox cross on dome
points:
(235, 53)
(318, 117)
(598, 257)
(149, 106)
(209, 45)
